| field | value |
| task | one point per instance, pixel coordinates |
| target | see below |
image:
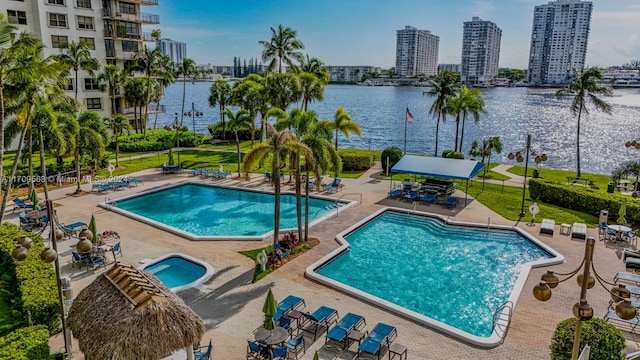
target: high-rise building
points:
(480, 52)
(111, 28)
(558, 41)
(416, 52)
(449, 67)
(176, 50)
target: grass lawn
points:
(490, 174)
(560, 176)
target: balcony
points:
(150, 18)
(146, 36)
(144, 2)
(153, 109)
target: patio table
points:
(620, 230)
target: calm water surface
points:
(511, 113)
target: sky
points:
(363, 32)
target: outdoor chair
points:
(94, 262)
(203, 355)
(285, 323)
(72, 229)
(341, 330)
(451, 201)
(24, 222)
(628, 325)
(80, 260)
(255, 350)
(395, 193)
(320, 320)
(133, 181)
(628, 277)
(335, 185)
(97, 187)
(21, 204)
(279, 353)
(412, 195)
(547, 226)
(291, 302)
(380, 337)
(294, 345)
(429, 198)
(117, 184)
(579, 231)
(116, 249)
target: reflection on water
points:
(511, 113)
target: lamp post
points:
(582, 310)
(177, 127)
(518, 156)
(194, 114)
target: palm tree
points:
(114, 78)
(489, 146)
(443, 87)
(220, 95)
(134, 94)
(165, 76)
(583, 86)
(147, 60)
(187, 69)
(241, 120)
(316, 67)
(468, 101)
(282, 47)
(78, 57)
(312, 88)
(275, 147)
(282, 89)
(342, 123)
(118, 124)
(92, 136)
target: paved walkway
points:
(230, 304)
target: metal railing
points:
(150, 18)
(502, 319)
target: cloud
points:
(482, 8)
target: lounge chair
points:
(579, 231)
(335, 185)
(628, 277)
(133, 181)
(73, 229)
(117, 184)
(629, 325)
(295, 344)
(289, 303)
(21, 204)
(203, 355)
(380, 337)
(451, 201)
(97, 187)
(320, 320)
(342, 329)
(547, 226)
(429, 198)
(632, 262)
(395, 193)
(412, 195)
(197, 171)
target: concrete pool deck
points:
(231, 305)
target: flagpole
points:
(405, 128)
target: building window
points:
(127, 8)
(17, 17)
(70, 85)
(85, 22)
(129, 46)
(85, 4)
(57, 20)
(55, 2)
(91, 42)
(91, 84)
(57, 41)
(94, 103)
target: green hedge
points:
(581, 199)
(394, 154)
(36, 281)
(356, 161)
(27, 343)
(156, 140)
(452, 154)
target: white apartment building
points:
(480, 52)
(451, 67)
(350, 73)
(416, 52)
(558, 41)
(176, 50)
(112, 28)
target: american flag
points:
(409, 116)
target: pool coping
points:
(485, 342)
(209, 270)
(107, 204)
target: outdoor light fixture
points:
(582, 310)
(518, 157)
(633, 143)
(194, 114)
(49, 255)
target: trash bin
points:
(604, 216)
(610, 187)
(536, 173)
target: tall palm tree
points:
(488, 147)
(312, 88)
(282, 89)
(118, 125)
(241, 120)
(220, 94)
(148, 61)
(187, 69)
(467, 102)
(77, 56)
(45, 119)
(113, 78)
(275, 147)
(165, 76)
(92, 136)
(584, 86)
(316, 67)
(135, 94)
(282, 47)
(443, 86)
(342, 123)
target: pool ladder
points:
(502, 319)
(110, 202)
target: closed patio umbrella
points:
(34, 199)
(92, 228)
(316, 356)
(622, 212)
(269, 309)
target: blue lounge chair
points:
(395, 193)
(412, 195)
(342, 329)
(321, 319)
(133, 181)
(335, 185)
(100, 187)
(117, 184)
(21, 204)
(451, 201)
(429, 198)
(197, 171)
(289, 303)
(203, 355)
(381, 336)
(72, 229)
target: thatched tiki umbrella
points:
(128, 314)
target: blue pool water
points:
(205, 210)
(176, 271)
(456, 275)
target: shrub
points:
(25, 344)
(452, 154)
(394, 155)
(605, 340)
(356, 161)
(154, 140)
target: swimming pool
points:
(179, 271)
(447, 275)
(208, 212)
